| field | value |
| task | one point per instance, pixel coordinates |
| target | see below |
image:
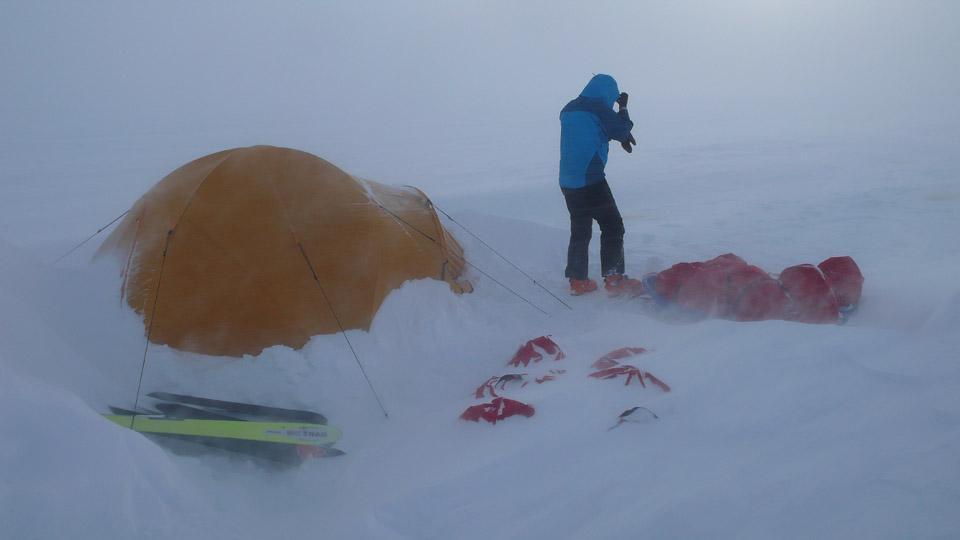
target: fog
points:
(443, 95)
(784, 131)
(78, 68)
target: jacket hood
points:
(603, 87)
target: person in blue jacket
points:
(587, 125)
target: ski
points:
(189, 424)
(128, 412)
(277, 442)
(294, 433)
(183, 412)
(242, 411)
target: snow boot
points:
(620, 284)
(582, 286)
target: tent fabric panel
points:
(142, 234)
(332, 219)
(217, 292)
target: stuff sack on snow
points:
(497, 410)
(530, 351)
(728, 287)
(844, 277)
(610, 359)
(812, 299)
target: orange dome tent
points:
(253, 247)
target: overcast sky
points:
(103, 66)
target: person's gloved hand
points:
(622, 100)
(630, 140)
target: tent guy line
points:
(153, 313)
(323, 292)
(470, 264)
(343, 332)
(498, 254)
(100, 230)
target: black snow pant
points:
(594, 202)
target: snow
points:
(785, 132)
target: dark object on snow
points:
(728, 287)
(497, 381)
(176, 410)
(237, 409)
(632, 414)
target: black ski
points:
(235, 410)
(183, 412)
(128, 412)
(286, 454)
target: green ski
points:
(275, 432)
(194, 425)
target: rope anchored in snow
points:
(153, 316)
(156, 292)
(508, 261)
(343, 332)
(326, 299)
(100, 230)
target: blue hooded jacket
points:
(587, 125)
